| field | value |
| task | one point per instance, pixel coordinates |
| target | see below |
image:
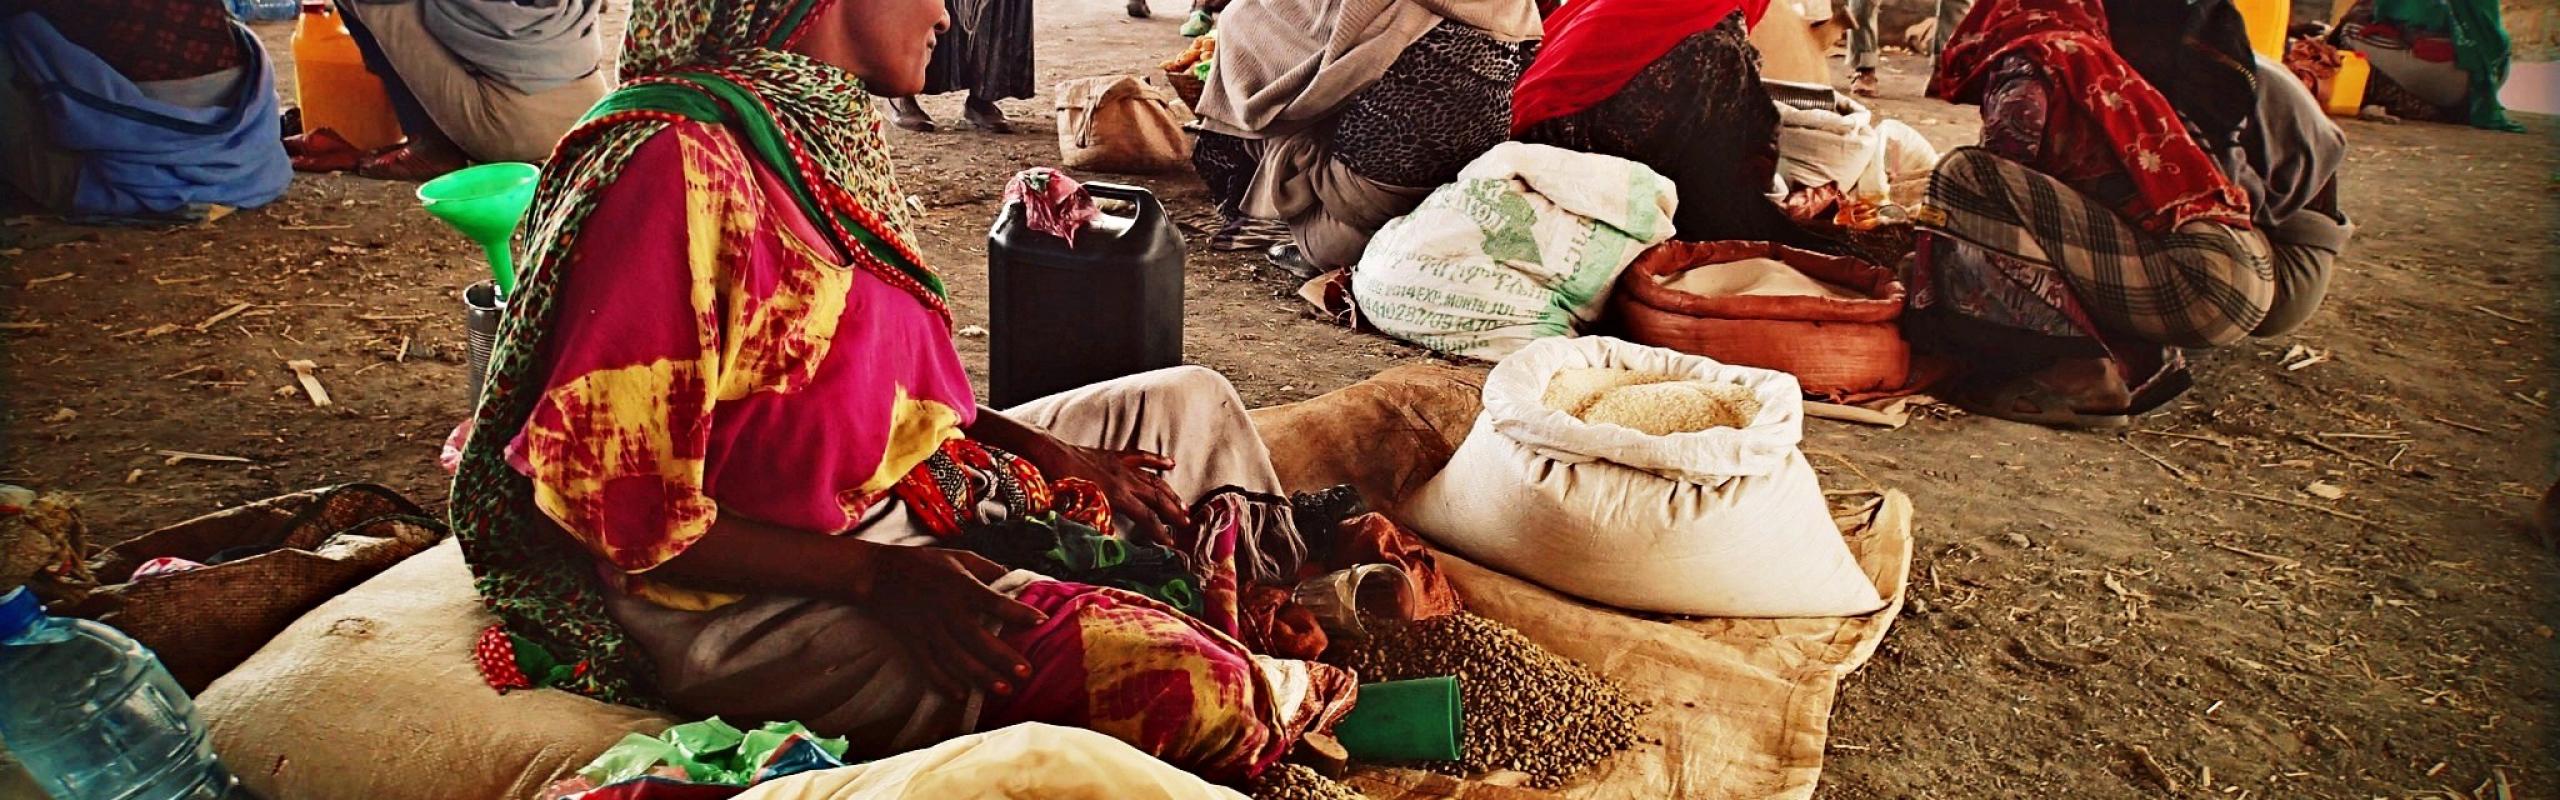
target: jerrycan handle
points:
(1148, 210)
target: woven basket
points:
(1835, 347)
(202, 622)
(1186, 87)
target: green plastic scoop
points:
(485, 203)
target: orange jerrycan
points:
(332, 85)
(2266, 21)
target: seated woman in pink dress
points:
(729, 462)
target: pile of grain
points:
(1654, 403)
(1527, 710)
(1294, 782)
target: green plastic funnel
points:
(485, 203)
(1415, 720)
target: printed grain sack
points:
(1523, 246)
(1713, 521)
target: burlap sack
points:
(1741, 707)
(1384, 436)
(1121, 124)
(374, 695)
(203, 621)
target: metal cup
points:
(481, 309)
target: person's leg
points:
(1950, 14)
(827, 665)
(1189, 414)
(1864, 44)
(983, 114)
(414, 121)
(2202, 285)
(45, 175)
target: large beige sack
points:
(374, 695)
(1030, 761)
(1722, 522)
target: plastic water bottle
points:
(94, 716)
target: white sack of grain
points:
(1726, 522)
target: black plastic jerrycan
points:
(1064, 317)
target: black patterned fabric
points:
(1699, 116)
(1444, 102)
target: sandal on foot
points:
(322, 150)
(1863, 84)
(1293, 261)
(908, 116)
(409, 164)
(989, 119)
(2029, 401)
(1199, 23)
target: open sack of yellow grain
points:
(1833, 322)
(1646, 479)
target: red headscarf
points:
(1593, 47)
(2175, 181)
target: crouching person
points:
(136, 110)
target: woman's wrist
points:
(1017, 437)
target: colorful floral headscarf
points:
(2177, 182)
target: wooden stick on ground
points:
(2485, 310)
(2220, 440)
(177, 457)
(2346, 454)
(1834, 411)
(217, 319)
(302, 372)
(2174, 470)
(2296, 504)
(23, 326)
(2465, 426)
(2270, 558)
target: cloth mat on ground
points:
(1028, 761)
(1741, 707)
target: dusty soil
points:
(2112, 615)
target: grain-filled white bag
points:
(1722, 522)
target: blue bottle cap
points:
(19, 611)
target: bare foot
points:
(984, 115)
(907, 114)
(1138, 9)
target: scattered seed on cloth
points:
(1297, 782)
(1526, 709)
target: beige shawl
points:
(1286, 64)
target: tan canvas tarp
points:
(1741, 707)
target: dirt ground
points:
(2166, 613)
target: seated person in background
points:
(470, 80)
(1674, 85)
(2434, 60)
(1333, 126)
(2144, 184)
(987, 53)
(727, 441)
(136, 109)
